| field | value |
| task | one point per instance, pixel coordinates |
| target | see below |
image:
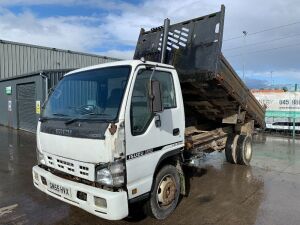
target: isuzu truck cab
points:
(118, 133)
(99, 137)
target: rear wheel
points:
(165, 194)
(230, 148)
(244, 150)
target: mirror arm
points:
(157, 120)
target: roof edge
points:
(36, 73)
(55, 49)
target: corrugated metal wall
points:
(12, 118)
(18, 58)
(54, 76)
(26, 94)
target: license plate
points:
(59, 189)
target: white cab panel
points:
(81, 149)
(144, 151)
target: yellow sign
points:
(38, 107)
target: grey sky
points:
(118, 29)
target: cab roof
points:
(132, 63)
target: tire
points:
(230, 148)
(244, 150)
(160, 206)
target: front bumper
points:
(116, 202)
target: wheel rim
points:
(166, 191)
(248, 151)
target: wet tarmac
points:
(267, 192)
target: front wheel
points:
(165, 193)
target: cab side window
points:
(167, 88)
(140, 103)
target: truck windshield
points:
(95, 94)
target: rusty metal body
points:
(214, 95)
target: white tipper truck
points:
(118, 133)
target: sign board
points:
(282, 104)
(38, 107)
(8, 90)
(9, 104)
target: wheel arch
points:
(171, 158)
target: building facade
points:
(27, 73)
(18, 58)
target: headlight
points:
(40, 157)
(104, 176)
(112, 174)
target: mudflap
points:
(182, 179)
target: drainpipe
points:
(46, 85)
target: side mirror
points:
(155, 97)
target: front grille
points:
(69, 166)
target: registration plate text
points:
(59, 189)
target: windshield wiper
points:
(80, 117)
(43, 119)
(59, 114)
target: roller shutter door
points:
(26, 107)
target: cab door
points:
(151, 135)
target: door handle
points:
(176, 132)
